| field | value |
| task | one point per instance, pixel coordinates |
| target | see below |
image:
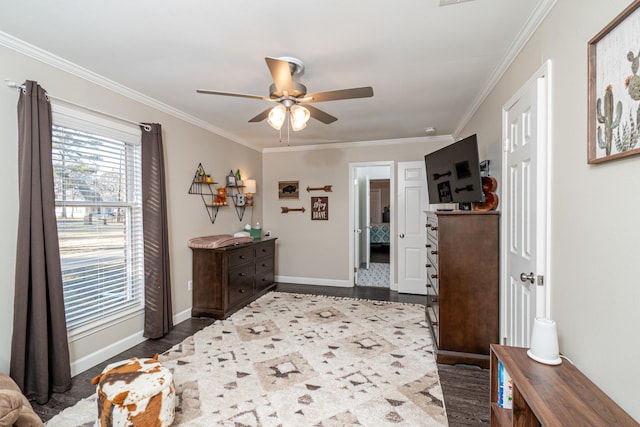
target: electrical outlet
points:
(190, 285)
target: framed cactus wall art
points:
(614, 88)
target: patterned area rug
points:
(303, 360)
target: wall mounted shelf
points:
(204, 186)
(236, 194)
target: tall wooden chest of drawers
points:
(226, 279)
(463, 280)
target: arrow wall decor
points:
(287, 210)
(326, 189)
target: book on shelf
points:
(505, 387)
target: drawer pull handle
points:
(428, 285)
(427, 266)
(264, 265)
(241, 274)
(434, 252)
(434, 323)
(264, 250)
(434, 228)
(427, 245)
(434, 276)
(241, 291)
(241, 257)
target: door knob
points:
(402, 235)
(528, 277)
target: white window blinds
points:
(97, 184)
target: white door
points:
(357, 230)
(365, 220)
(375, 206)
(524, 210)
(373, 170)
(412, 202)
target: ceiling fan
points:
(291, 95)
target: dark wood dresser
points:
(226, 279)
(463, 280)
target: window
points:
(97, 181)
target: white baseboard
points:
(91, 360)
(182, 316)
(314, 281)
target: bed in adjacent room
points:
(379, 233)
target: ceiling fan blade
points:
(239, 95)
(281, 73)
(335, 95)
(320, 115)
(260, 117)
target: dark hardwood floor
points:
(379, 253)
(465, 388)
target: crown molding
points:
(532, 24)
(62, 64)
(360, 144)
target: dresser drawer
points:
(264, 265)
(240, 283)
(432, 283)
(264, 273)
(432, 313)
(432, 228)
(432, 258)
(264, 249)
(240, 256)
(432, 273)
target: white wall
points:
(595, 297)
(317, 252)
(185, 146)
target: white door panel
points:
(412, 202)
(524, 173)
(357, 230)
(375, 206)
(360, 202)
(363, 221)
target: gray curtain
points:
(39, 348)
(157, 275)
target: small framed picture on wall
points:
(320, 208)
(288, 190)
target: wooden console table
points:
(549, 395)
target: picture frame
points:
(320, 208)
(288, 190)
(614, 89)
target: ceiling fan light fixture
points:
(299, 117)
(277, 116)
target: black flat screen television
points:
(453, 173)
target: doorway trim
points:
(392, 204)
(543, 303)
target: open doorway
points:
(372, 207)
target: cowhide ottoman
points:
(135, 392)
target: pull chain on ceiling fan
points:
(290, 94)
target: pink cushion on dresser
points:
(218, 241)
